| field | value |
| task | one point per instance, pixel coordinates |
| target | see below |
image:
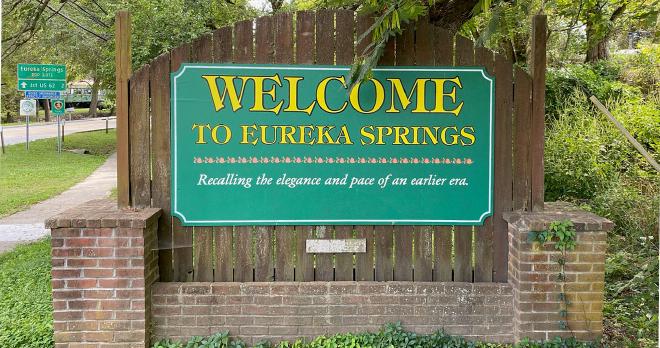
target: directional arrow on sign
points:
(23, 85)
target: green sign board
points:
(291, 145)
(57, 106)
(41, 71)
(41, 85)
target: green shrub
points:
(599, 79)
(26, 311)
(390, 336)
(641, 69)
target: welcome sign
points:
(292, 145)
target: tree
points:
(84, 29)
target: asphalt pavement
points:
(16, 134)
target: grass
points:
(28, 177)
(26, 318)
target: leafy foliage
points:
(589, 162)
(389, 336)
(26, 311)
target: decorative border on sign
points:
(330, 160)
(173, 146)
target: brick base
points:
(103, 268)
(533, 273)
(104, 293)
(286, 310)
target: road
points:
(16, 134)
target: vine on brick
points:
(562, 233)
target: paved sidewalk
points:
(28, 225)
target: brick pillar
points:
(104, 262)
(533, 273)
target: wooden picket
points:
(277, 253)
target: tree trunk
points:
(596, 47)
(95, 98)
(451, 14)
(597, 42)
(46, 111)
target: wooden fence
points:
(277, 253)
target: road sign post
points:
(57, 107)
(28, 107)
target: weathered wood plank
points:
(403, 253)
(325, 36)
(424, 42)
(159, 86)
(202, 52)
(442, 263)
(324, 269)
(538, 66)
(423, 253)
(522, 169)
(244, 260)
(364, 262)
(223, 235)
(285, 249)
(263, 254)
(343, 261)
(443, 47)
(423, 247)
(345, 37)
(463, 234)
(222, 45)
(265, 40)
(224, 268)
(405, 46)
(263, 235)
(203, 254)
(304, 261)
(283, 38)
(364, 22)
(122, 74)
(243, 42)
(139, 120)
(182, 237)
(502, 201)
(463, 253)
(483, 251)
(285, 236)
(183, 251)
(243, 267)
(325, 54)
(305, 37)
(483, 244)
(384, 253)
(388, 58)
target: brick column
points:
(533, 273)
(104, 262)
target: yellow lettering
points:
(379, 98)
(440, 95)
(260, 93)
(234, 98)
(399, 91)
(293, 96)
(321, 94)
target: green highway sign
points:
(41, 85)
(41, 71)
(57, 106)
(292, 145)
